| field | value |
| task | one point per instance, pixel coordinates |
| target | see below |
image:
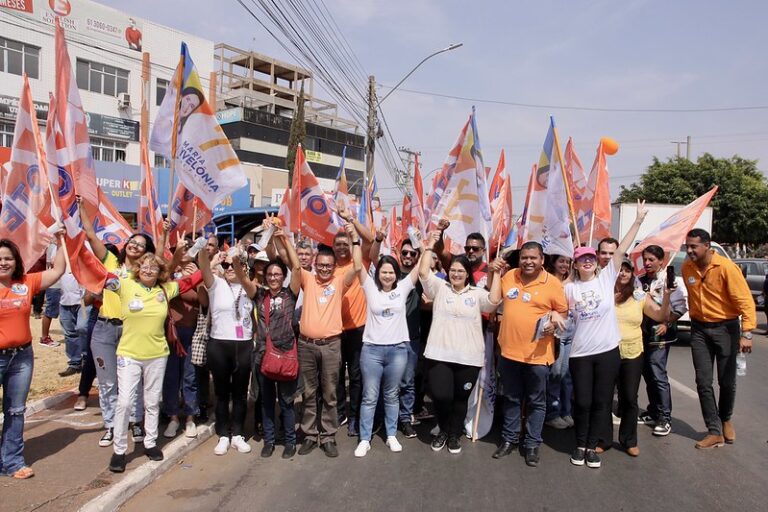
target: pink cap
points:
(583, 251)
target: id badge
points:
(239, 331)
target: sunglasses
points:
(227, 266)
(409, 253)
(587, 259)
(471, 248)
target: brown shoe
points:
(633, 451)
(729, 433)
(711, 441)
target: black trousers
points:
(351, 346)
(203, 375)
(593, 382)
(450, 385)
(230, 364)
(715, 345)
(630, 372)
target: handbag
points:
(200, 339)
(279, 365)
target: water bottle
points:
(415, 236)
(199, 244)
(266, 236)
(741, 364)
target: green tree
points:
(740, 213)
(297, 135)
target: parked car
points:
(684, 323)
(755, 270)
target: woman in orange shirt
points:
(16, 358)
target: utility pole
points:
(408, 178)
(688, 148)
(370, 143)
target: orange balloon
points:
(610, 146)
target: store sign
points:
(17, 5)
(113, 127)
(9, 107)
(315, 157)
(277, 196)
(230, 115)
(88, 19)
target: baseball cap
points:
(583, 251)
(262, 256)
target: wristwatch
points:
(747, 335)
(356, 242)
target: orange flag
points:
(600, 223)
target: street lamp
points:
(425, 59)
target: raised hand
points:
(443, 224)
(432, 239)
(642, 211)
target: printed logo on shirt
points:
(470, 302)
(19, 289)
(329, 290)
(691, 280)
(11, 303)
(587, 306)
(513, 293)
(387, 313)
(160, 297)
(526, 297)
(467, 386)
(393, 295)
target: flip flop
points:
(23, 473)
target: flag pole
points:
(592, 226)
(194, 217)
(175, 129)
(477, 410)
(567, 188)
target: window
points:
(17, 58)
(6, 135)
(162, 162)
(162, 86)
(107, 150)
(101, 78)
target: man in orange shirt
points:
(354, 312)
(717, 295)
(530, 295)
(320, 348)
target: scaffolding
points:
(252, 80)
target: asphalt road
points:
(669, 474)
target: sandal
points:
(23, 473)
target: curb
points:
(140, 477)
(47, 402)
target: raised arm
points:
(292, 259)
(242, 277)
(357, 253)
(204, 262)
(424, 265)
(54, 273)
(97, 246)
(494, 276)
(375, 250)
(365, 234)
(444, 255)
(629, 238)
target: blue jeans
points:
(73, 338)
(104, 340)
(560, 385)
(522, 381)
(381, 363)
(180, 377)
(408, 384)
(15, 378)
(282, 392)
(657, 381)
(52, 298)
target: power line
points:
(587, 109)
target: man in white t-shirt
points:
(69, 310)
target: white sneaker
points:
(222, 446)
(190, 429)
(394, 444)
(172, 429)
(240, 444)
(363, 447)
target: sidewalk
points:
(61, 445)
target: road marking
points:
(690, 393)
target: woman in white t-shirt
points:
(230, 346)
(385, 350)
(595, 359)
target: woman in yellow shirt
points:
(631, 304)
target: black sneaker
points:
(662, 428)
(532, 456)
(343, 420)
(107, 438)
(504, 449)
(454, 444)
(408, 430)
(202, 416)
(307, 446)
(71, 370)
(593, 459)
(289, 451)
(330, 449)
(117, 463)
(645, 419)
(578, 456)
(137, 432)
(439, 441)
(267, 450)
(154, 453)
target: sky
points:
(630, 55)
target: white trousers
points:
(130, 373)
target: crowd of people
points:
(359, 338)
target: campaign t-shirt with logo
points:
(387, 322)
(15, 306)
(594, 314)
(321, 312)
(144, 311)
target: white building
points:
(105, 46)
